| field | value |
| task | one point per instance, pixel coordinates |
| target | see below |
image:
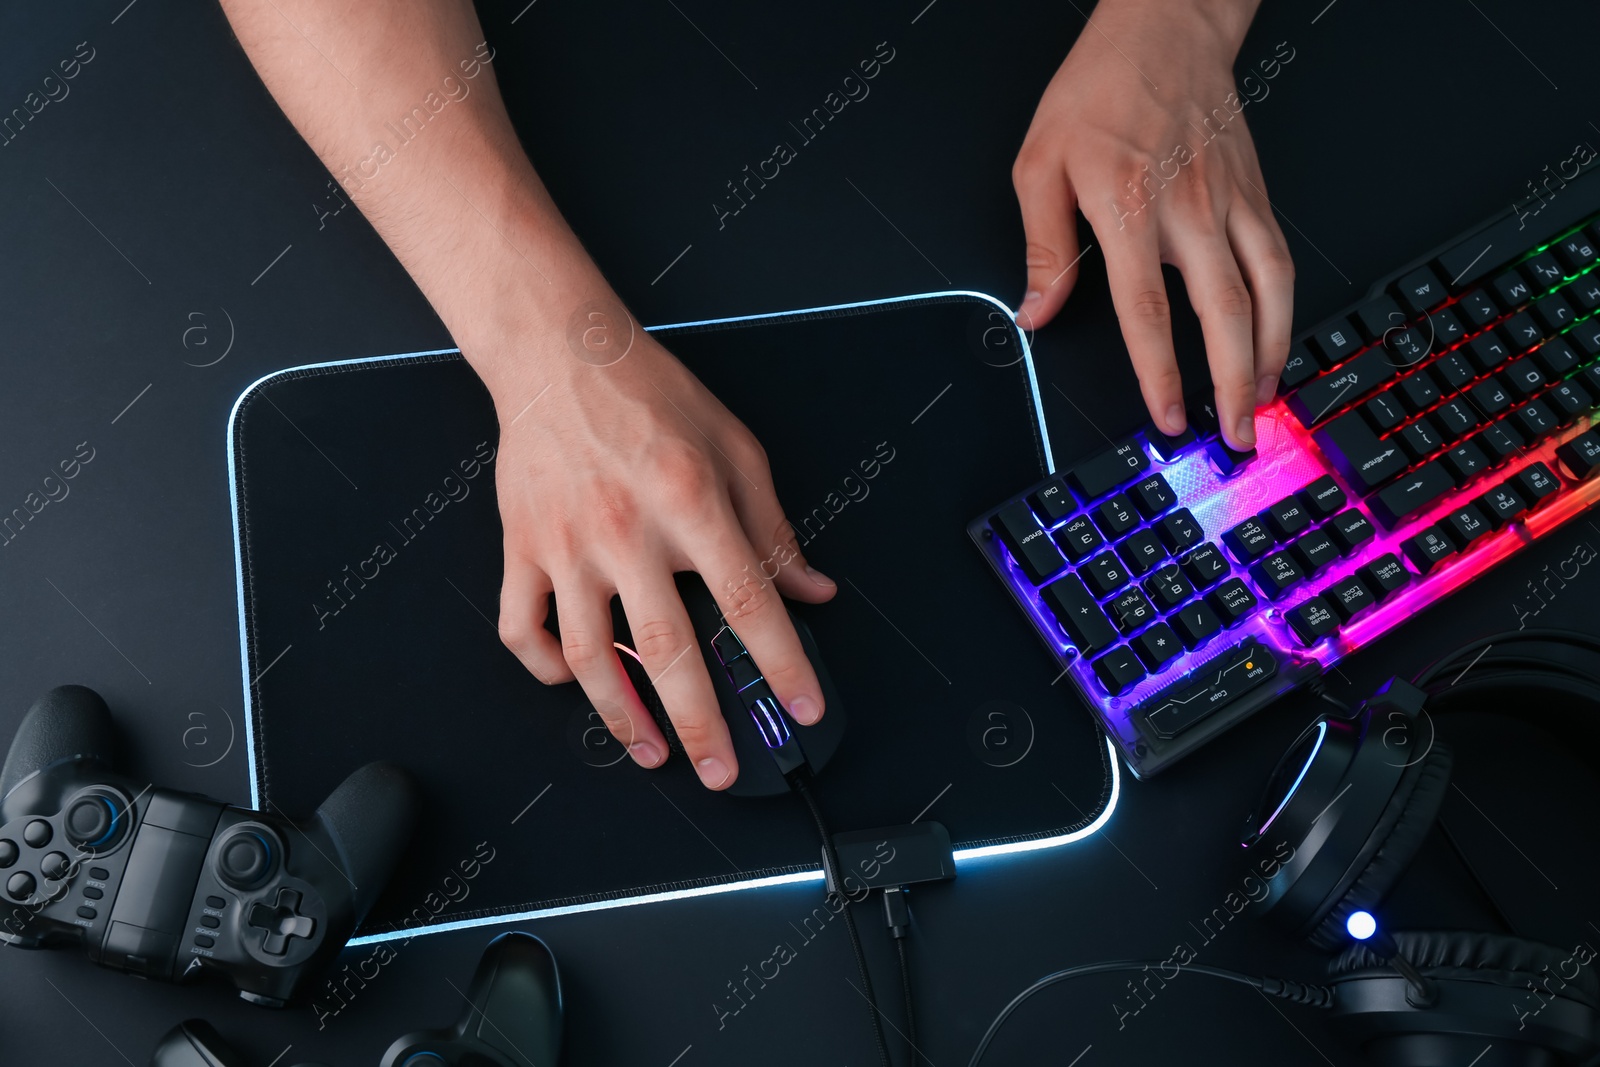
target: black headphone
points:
(1354, 797)
(1344, 813)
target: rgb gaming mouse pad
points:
(370, 567)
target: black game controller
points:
(196, 1044)
(514, 1020)
(172, 885)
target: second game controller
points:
(174, 885)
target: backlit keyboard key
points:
(1119, 465)
(1384, 411)
(1315, 551)
(1576, 252)
(1195, 623)
(1556, 357)
(1078, 538)
(1312, 620)
(1413, 492)
(1357, 452)
(1118, 669)
(1490, 398)
(1078, 614)
(1428, 549)
(1523, 377)
(1501, 505)
(1385, 576)
(1337, 342)
(1420, 439)
(1343, 385)
(1142, 552)
(1286, 518)
(1204, 565)
(1052, 502)
(1511, 290)
(1542, 270)
(1569, 400)
(1156, 645)
(1535, 419)
(1536, 484)
(1419, 390)
(1499, 441)
(1248, 541)
(1130, 610)
(1116, 516)
(1179, 531)
(1464, 526)
(1521, 332)
(1349, 530)
(1322, 497)
(1152, 496)
(1487, 352)
(1455, 418)
(1349, 598)
(1227, 459)
(1277, 574)
(1421, 290)
(1454, 371)
(1167, 446)
(1581, 455)
(1553, 313)
(1232, 601)
(1466, 461)
(1104, 574)
(1378, 316)
(1030, 546)
(1478, 307)
(1168, 588)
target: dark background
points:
(145, 203)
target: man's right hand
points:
(612, 477)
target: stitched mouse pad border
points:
(368, 545)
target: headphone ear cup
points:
(1401, 828)
(1537, 1004)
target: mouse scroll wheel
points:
(727, 645)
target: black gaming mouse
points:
(768, 744)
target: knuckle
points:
(1234, 301)
(753, 601)
(584, 652)
(1149, 307)
(683, 472)
(697, 732)
(656, 639)
(1276, 264)
(616, 516)
(1163, 382)
(1041, 256)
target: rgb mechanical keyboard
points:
(1420, 437)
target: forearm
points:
(398, 98)
(1225, 22)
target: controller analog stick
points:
(245, 860)
(92, 820)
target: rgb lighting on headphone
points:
(1361, 925)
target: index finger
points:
(1139, 293)
(755, 612)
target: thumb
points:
(1049, 223)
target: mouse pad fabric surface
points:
(369, 546)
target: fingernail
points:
(820, 578)
(1246, 433)
(1266, 389)
(804, 711)
(645, 754)
(1030, 304)
(713, 772)
(1175, 419)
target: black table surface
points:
(165, 239)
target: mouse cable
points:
(897, 916)
(830, 857)
(1315, 995)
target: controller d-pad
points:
(281, 923)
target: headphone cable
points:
(1299, 992)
